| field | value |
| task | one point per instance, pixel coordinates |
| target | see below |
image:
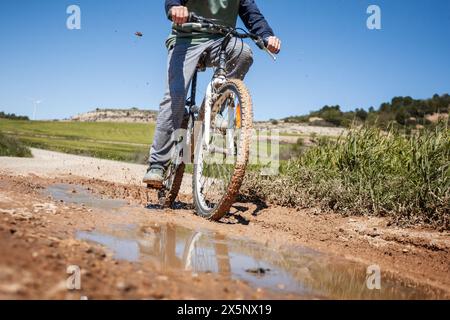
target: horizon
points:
(336, 60)
(98, 109)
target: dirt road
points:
(59, 210)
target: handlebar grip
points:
(265, 44)
(192, 17)
(191, 26)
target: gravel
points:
(51, 164)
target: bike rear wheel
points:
(220, 162)
(175, 171)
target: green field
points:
(128, 142)
(116, 141)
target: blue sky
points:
(329, 55)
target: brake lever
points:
(260, 43)
(193, 17)
(274, 57)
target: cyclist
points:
(185, 50)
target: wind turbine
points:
(35, 105)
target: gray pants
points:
(182, 64)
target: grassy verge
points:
(368, 172)
(115, 141)
(10, 147)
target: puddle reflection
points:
(298, 270)
(294, 269)
(82, 196)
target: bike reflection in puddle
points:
(179, 248)
(300, 271)
(297, 270)
(166, 246)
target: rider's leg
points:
(182, 63)
(240, 57)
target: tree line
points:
(12, 116)
(404, 111)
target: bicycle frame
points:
(220, 74)
(218, 79)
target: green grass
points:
(11, 147)
(368, 172)
(101, 131)
(116, 141)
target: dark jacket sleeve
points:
(172, 3)
(254, 20)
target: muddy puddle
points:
(78, 195)
(297, 270)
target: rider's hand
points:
(274, 44)
(179, 14)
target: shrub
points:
(368, 172)
(10, 147)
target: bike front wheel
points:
(222, 151)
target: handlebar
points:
(196, 22)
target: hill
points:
(132, 115)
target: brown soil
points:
(419, 254)
(38, 244)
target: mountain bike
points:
(218, 149)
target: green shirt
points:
(225, 11)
